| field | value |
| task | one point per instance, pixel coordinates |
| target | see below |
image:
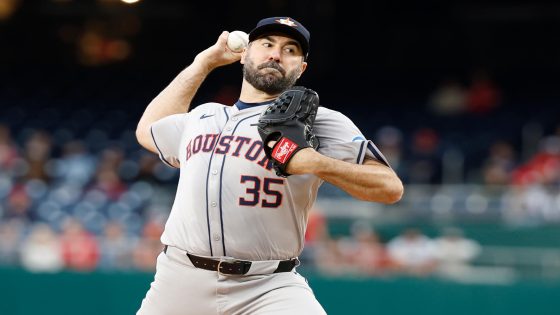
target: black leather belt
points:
(234, 267)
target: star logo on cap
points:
(287, 21)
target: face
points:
(273, 63)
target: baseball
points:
(237, 40)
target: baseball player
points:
(237, 226)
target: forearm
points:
(371, 181)
(177, 96)
(174, 99)
(368, 182)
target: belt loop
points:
(246, 267)
(287, 265)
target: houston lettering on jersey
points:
(237, 146)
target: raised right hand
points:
(218, 54)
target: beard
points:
(269, 82)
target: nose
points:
(274, 55)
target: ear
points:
(244, 54)
(302, 68)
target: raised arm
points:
(371, 181)
(177, 96)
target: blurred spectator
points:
(41, 251)
(19, 203)
(368, 255)
(317, 229)
(390, 141)
(11, 232)
(450, 98)
(146, 167)
(413, 252)
(424, 162)
(8, 150)
(116, 248)
(111, 158)
(329, 257)
(149, 247)
(109, 182)
(80, 249)
(37, 153)
(531, 205)
(316, 233)
(455, 252)
(483, 95)
(106, 178)
(499, 164)
(543, 167)
(76, 166)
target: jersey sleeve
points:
(340, 139)
(166, 134)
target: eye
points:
(267, 44)
(291, 50)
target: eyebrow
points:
(290, 42)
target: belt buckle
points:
(222, 260)
(245, 269)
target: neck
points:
(249, 94)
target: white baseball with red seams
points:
(237, 41)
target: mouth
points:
(270, 68)
(272, 71)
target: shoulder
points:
(208, 108)
(326, 117)
(325, 113)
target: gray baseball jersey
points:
(229, 201)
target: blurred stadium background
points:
(461, 97)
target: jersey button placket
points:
(215, 197)
(213, 202)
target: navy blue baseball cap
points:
(286, 25)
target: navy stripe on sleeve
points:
(378, 155)
(360, 159)
(157, 147)
(225, 112)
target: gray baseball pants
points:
(181, 289)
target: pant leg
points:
(278, 294)
(180, 289)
